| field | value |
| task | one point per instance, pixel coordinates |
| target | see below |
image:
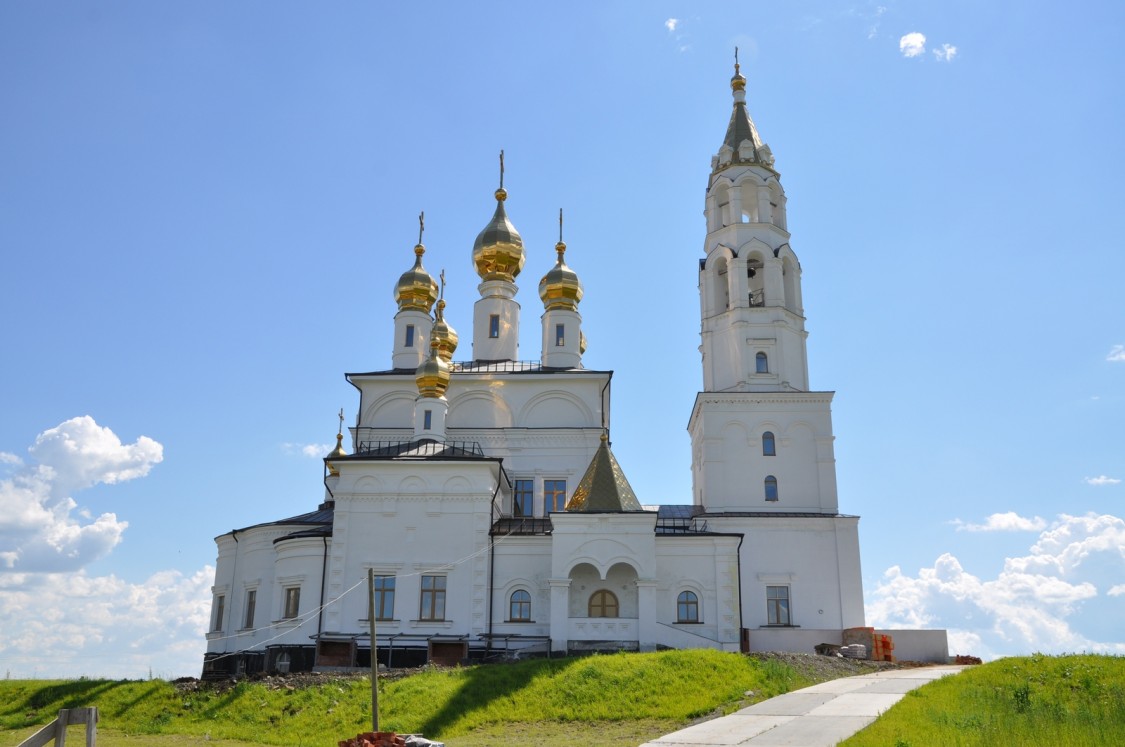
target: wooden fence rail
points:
(56, 730)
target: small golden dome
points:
(445, 335)
(560, 287)
(336, 454)
(498, 250)
(433, 375)
(416, 289)
(737, 81)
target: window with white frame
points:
(493, 325)
(777, 605)
(560, 335)
(220, 607)
(554, 495)
(522, 497)
(769, 445)
(251, 603)
(761, 363)
(292, 602)
(409, 341)
(433, 598)
(771, 488)
(519, 606)
(384, 588)
(687, 607)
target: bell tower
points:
(761, 440)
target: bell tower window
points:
(761, 363)
(494, 325)
(560, 335)
(769, 447)
(771, 488)
(409, 341)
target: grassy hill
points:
(619, 698)
(1070, 701)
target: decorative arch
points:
(392, 410)
(413, 484)
(457, 484)
(478, 408)
(368, 484)
(544, 410)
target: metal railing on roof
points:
(522, 525)
(418, 447)
(496, 366)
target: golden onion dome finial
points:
(339, 450)
(432, 376)
(737, 81)
(416, 289)
(498, 250)
(560, 288)
(445, 335)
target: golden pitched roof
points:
(604, 486)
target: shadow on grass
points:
(73, 694)
(484, 685)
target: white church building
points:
(484, 498)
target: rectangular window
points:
(522, 499)
(560, 335)
(433, 598)
(427, 417)
(554, 495)
(777, 605)
(409, 342)
(494, 325)
(384, 597)
(251, 603)
(220, 604)
(292, 602)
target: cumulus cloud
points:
(313, 451)
(6, 458)
(70, 625)
(671, 24)
(1116, 354)
(1005, 522)
(41, 527)
(1116, 591)
(1101, 480)
(912, 44)
(945, 53)
(1032, 603)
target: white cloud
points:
(69, 625)
(1005, 522)
(671, 24)
(6, 458)
(1101, 480)
(1116, 591)
(1116, 354)
(945, 53)
(912, 44)
(313, 451)
(40, 529)
(1031, 605)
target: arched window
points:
(603, 604)
(771, 488)
(761, 363)
(519, 610)
(769, 447)
(687, 607)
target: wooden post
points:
(374, 649)
(56, 730)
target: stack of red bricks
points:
(375, 739)
(879, 647)
(883, 649)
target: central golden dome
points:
(416, 289)
(498, 250)
(560, 287)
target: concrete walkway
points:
(818, 716)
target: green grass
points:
(1034, 700)
(617, 698)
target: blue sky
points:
(204, 207)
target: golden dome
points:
(737, 81)
(416, 289)
(433, 375)
(498, 250)
(445, 335)
(560, 287)
(336, 454)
